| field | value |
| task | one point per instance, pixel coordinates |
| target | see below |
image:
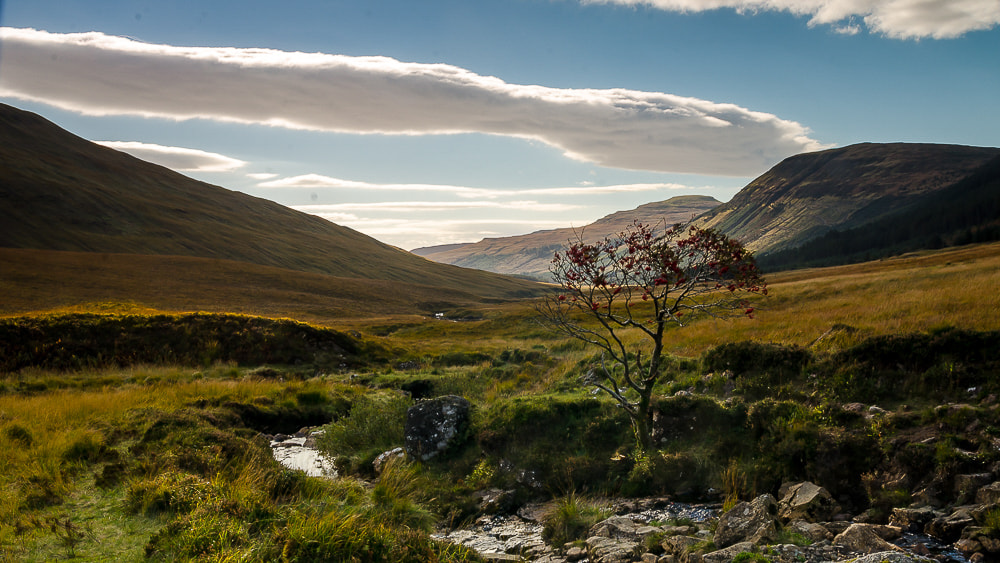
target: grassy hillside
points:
(61, 192)
(39, 281)
(805, 195)
(967, 212)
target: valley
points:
(158, 334)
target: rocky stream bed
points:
(804, 526)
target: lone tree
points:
(643, 280)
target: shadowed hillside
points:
(61, 192)
(807, 195)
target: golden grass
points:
(912, 293)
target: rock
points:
(678, 530)
(863, 538)
(967, 486)
(989, 494)
(807, 501)
(496, 501)
(754, 521)
(911, 519)
(990, 544)
(726, 555)
(894, 556)
(435, 424)
(617, 527)
(967, 546)
(649, 558)
(810, 530)
(607, 550)
(575, 554)
(386, 457)
(949, 528)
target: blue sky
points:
(423, 123)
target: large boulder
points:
(726, 555)
(863, 538)
(755, 521)
(603, 549)
(806, 501)
(432, 426)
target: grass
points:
(161, 462)
(167, 471)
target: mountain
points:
(60, 192)
(808, 195)
(963, 213)
(529, 255)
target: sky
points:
(433, 122)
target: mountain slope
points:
(806, 195)
(529, 255)
(61, 192)
(966, 212)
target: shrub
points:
(374, 424)
(570, 520)
(172, 491)
(773, 364)
(20, 434)
(750, 557)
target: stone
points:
(496, 501)
(678, 545)
(988, 494)
(575, 554)
(810, 530)
(968, 546)
(617, 527)
(967, 486)
(433, 425)
(990, 544)
(386, 457)
(607, 550)
(894, 556)
(807, 501)
(949, 528)
(726, 555)
(911, 519)
(755, 521)
(863, 538)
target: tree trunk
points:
(642, 424)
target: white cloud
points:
(901, 19)
(176, 158)
(423, 206)
(320, 181)
(97, 74)
(262, 175)
(410, 233)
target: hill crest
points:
(61, 192)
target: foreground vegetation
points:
(124, 440)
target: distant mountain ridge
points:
(61, 192)
(859, 192)
(530, 255)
